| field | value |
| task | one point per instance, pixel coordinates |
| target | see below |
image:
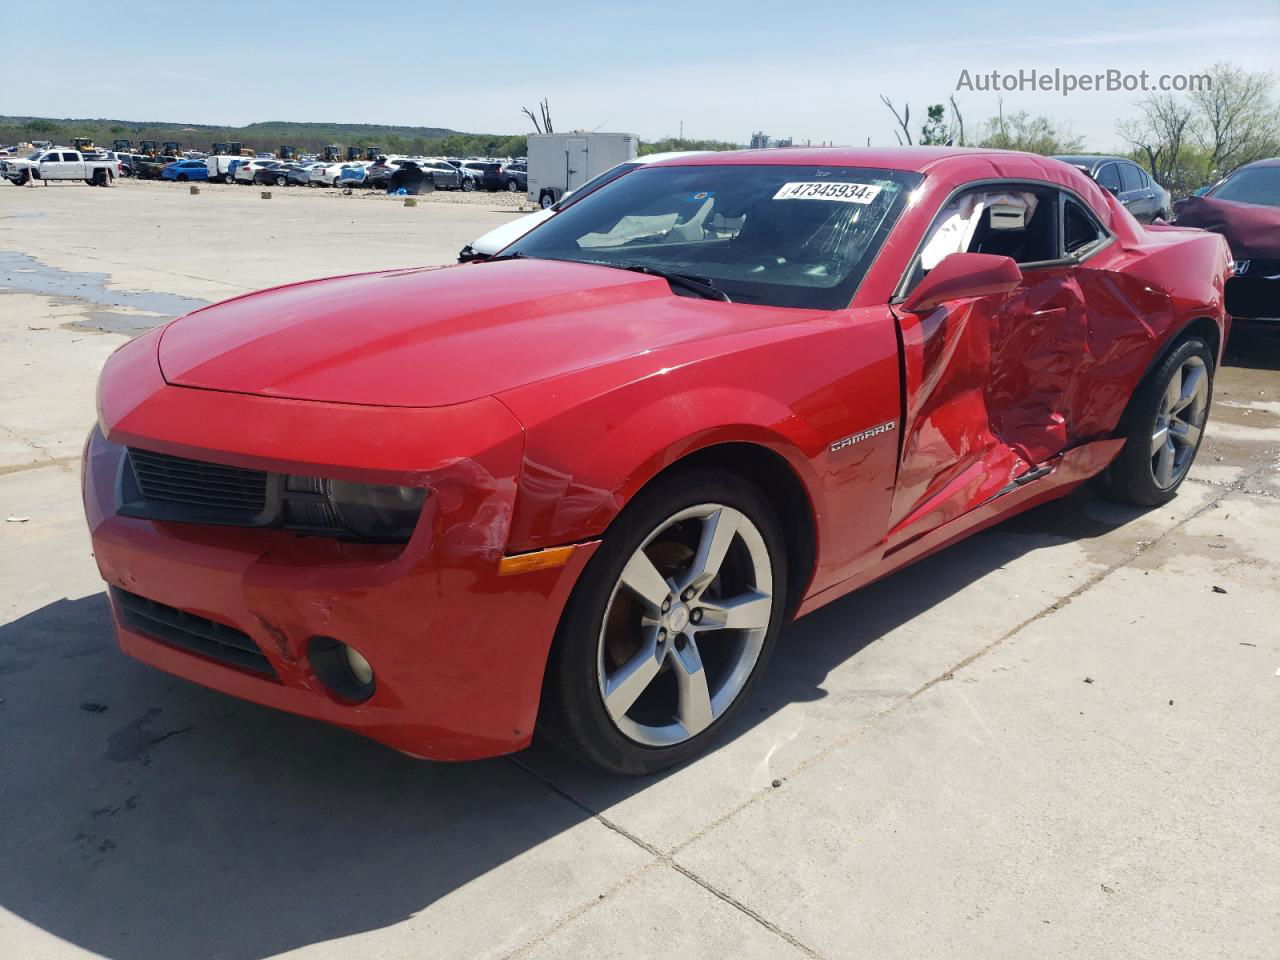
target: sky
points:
(715, 69)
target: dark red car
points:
(581, 486)
(1244, 207)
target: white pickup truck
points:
(59, 164)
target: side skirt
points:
(1046, 483)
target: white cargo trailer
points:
(559, 162)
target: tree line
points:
(1184, 141)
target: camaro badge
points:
(858, 437)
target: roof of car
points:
(916, 159)
(1268, 162)
(1089, 159)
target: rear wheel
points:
(1164, 426)
(670, 626)
(546, 201)
(182, 178)
(228, 178)
(468, 185)
(281, 181)
(513, 186)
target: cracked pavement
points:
(1051, 739)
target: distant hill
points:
(307, 137)
(266, 136)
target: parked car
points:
(444, 175)
(516, 176)
(378, 174)
(247, 170)
(509, 232)
(1244, 207)
(487, 175)
(351, 175)
(184, 170)
(152, 167)
(59, 164)
(296, 174)
(324, 174)
(1124, 179)
(708, 397)
(222, 166)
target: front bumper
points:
(458, 650)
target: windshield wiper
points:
(699, 285)
(514, 255)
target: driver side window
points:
(1017, 221)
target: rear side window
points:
(1080, 232)
(1130, 177)
(1109, 177)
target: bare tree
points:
(544, 109)
(959, 121)
(1236, 121)
(1160, 131)
(904, 119)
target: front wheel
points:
(182, 178)
(228, 178)
(670, 625)
(1163, 427)
(468, 186)
(281, 181)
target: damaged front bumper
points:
(457, 649)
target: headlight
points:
(363, 511)
(377, 511)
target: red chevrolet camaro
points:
(581, 486)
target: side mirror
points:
(960, 275)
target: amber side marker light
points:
(538, 560)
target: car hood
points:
(437, 336)
(1252, 230)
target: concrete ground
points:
(1056, 739)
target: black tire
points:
(572, 714)
(23, 179)
(513, 186)
(546, 201)
(182, 178)
(282, 181)
(468, 185)
(228, 178)
(1131, 478)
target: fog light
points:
(341, 668)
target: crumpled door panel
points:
(951, 460)
(989, 396)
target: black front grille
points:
(211, 487)
(190, 632)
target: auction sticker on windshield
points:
(840, 192)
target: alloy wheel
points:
(1180, 419)
(685, 625)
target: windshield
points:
(1257, 185)
(787, 236)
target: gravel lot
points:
(1056, 739)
